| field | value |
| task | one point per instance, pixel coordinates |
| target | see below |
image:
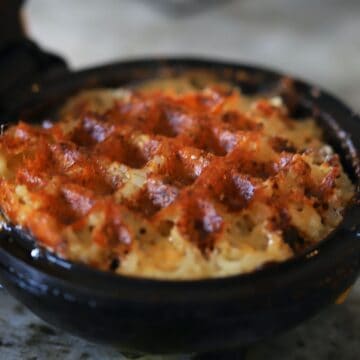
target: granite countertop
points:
(317, 40)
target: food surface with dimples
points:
(172, 180)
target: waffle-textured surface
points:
(170, 180)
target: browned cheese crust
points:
(172, 181)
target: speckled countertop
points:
(317, 40)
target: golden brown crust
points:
(197, 183)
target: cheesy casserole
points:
(172, 180)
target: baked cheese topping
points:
(172, 180)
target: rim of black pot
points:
(57, 269)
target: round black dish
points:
(187, 316)
(173, 316)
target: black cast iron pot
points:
(161, 316)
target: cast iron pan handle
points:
(21, 60)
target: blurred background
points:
(318, 40)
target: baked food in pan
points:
(174, 178)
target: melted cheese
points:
(173, 181)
